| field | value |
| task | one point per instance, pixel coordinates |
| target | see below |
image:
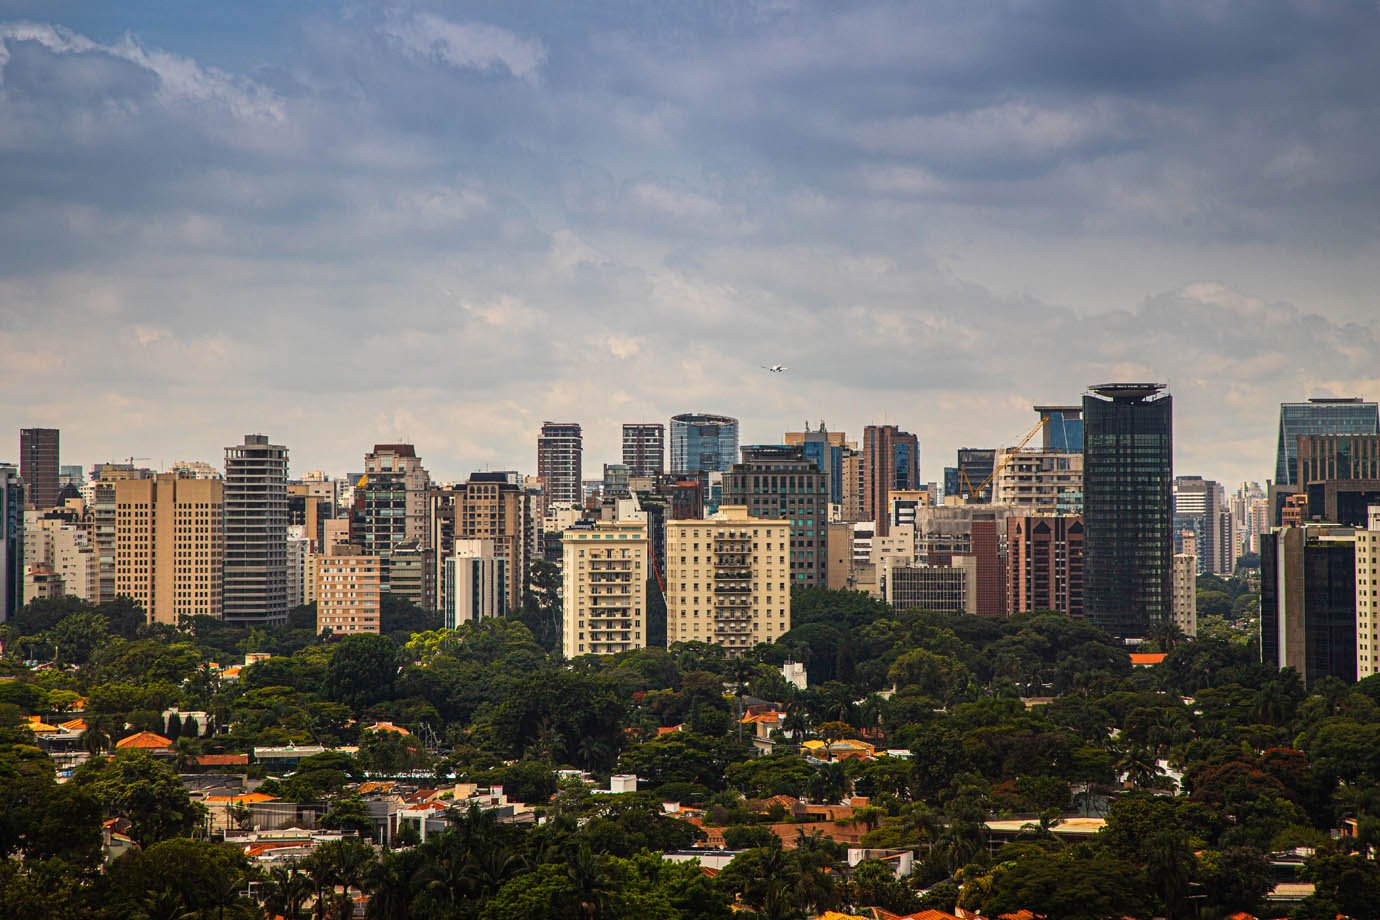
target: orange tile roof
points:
(1145, 659)
(74, 725)
(147, 741)
(387, 727)
(673, 728)
(223, 760)
(247, 798)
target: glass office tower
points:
(702, 443)
(1349, 415)
(1128, 474)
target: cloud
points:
(376, 222)
(467, 45)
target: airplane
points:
(774, 368)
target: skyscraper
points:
(1128, 471)
(1045, 564)
(1348, 415)
(560, 464)
(891, 461)
(1200, 506)
(170, 546)
(11, 541)
(703, 443)
(826, 449)
(1308, 594)
(975, 465)
(1063, 431)
(776, 482)
(392, 507)
(256, 521)
(604, 588)
(38, 465)
(644, 448)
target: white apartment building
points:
(604, 586)
(728, 579)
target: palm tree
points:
(1139, 766)
(390, 887)
(593, 885)
(285, 890)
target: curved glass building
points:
(703, 443)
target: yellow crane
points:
(966, 484)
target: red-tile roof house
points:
(144, 741)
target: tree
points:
(135, 786)
(362, 670)
(181, 877)
(77, 636)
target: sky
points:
(347, 223)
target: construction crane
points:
(1000, 465)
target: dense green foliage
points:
(1031, 719)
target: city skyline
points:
(459, 223)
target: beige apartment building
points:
(1183, 593)
(170, 545)
(1368, 596)
(728, 579)
(348, 586)
(604, 583)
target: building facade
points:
(1063, 428)
(1185, 593)
(975, 466)
(1040, 482)
(474, 583)
(490, 506)
(349, 587)
(1200, 506)
(1308, 616)
(1045, 564)
(12, 503)
(38, 465)
(256, 521)
(59, 541)
(728, 579)
(890, 463)
(1128, 472)
(703, 443)
(950, 588)
(170, 546)
(644, 448)
(776, 481)
(560, 464)
(1368, 597)
(826, 450)
(604, 588)
(1349, 415)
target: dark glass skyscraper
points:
(1128, 474)
(1350, 415)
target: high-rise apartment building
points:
(1184, 605)
(703, 443)
(57, 540)
(38, 465)
(11, 542)
(1040, 482)
(1045, 564)
(854, 497)
(100, 518)
(392, 507)
(1128, 472)
(256, 522)
(473, 584)
(493, 507)
(604, 588)
(1368, 596)
(1200, 507)
(644, 448)
(170, 546)
(299, 551)
(1308, 602)
(890, 463)
(349, 586)
(728, 579)
(560, 464)
(775, 481)
(1349, 415)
